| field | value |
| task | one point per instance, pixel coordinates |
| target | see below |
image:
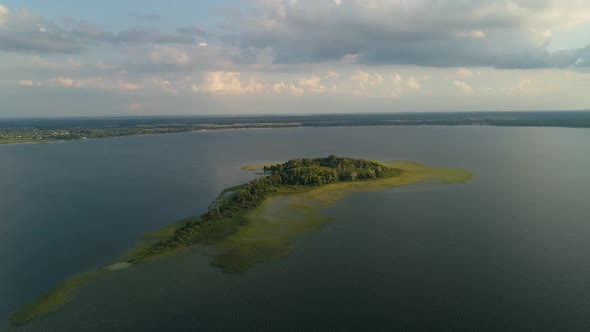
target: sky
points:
(216, 57)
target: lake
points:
(506, 251)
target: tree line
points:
(224, 218)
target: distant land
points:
(42, 130)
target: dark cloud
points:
(25, 32)
(426, 33)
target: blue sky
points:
(95, 58)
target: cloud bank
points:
(468, 33)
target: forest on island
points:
(225, 216)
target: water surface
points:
(507, 250)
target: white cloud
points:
(65, 82)
(3, 14)
(413, 83)
(400, 86)
(525, 87)
(464, 72)
(464, 87)
(128, 86)
(312, 84)
(331, 75)
(228, 83)
(365, 81)
(368, 79)
(26, 83)
(282, 87)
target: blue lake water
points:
(505, 251)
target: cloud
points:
(526, 87)
(401, 86)
(488, 33)
(97, 83)
(182, 59)
(331, 75)
(26, 83)
(365, 79)
(282, 87)
(128, 87)
(164, 86)
(312, 84)
(23, 31)
(413, 83)
(169, 55)
(464, 87)
(228, 83)
(65, 82)
(463, 72)
(473, 34)
(3, 14)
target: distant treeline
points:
(521, 118)
(225, 217)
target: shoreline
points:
(7, 142)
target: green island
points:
(258, 221)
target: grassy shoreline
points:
(282, 218)
(260, 234)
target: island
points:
(258, 221)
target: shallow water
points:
(507, 250)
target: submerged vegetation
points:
(54, 298)
(226, 216)
(281, 219)
(258, 221)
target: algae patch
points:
(272, 227)
(54, 299)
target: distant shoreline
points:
(63, 130)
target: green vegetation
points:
(11, 135)
(258, 221)
(55, 298)
(279, 220)
(256, 167)
(226, 216)
(15, 140)
(52, 130)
